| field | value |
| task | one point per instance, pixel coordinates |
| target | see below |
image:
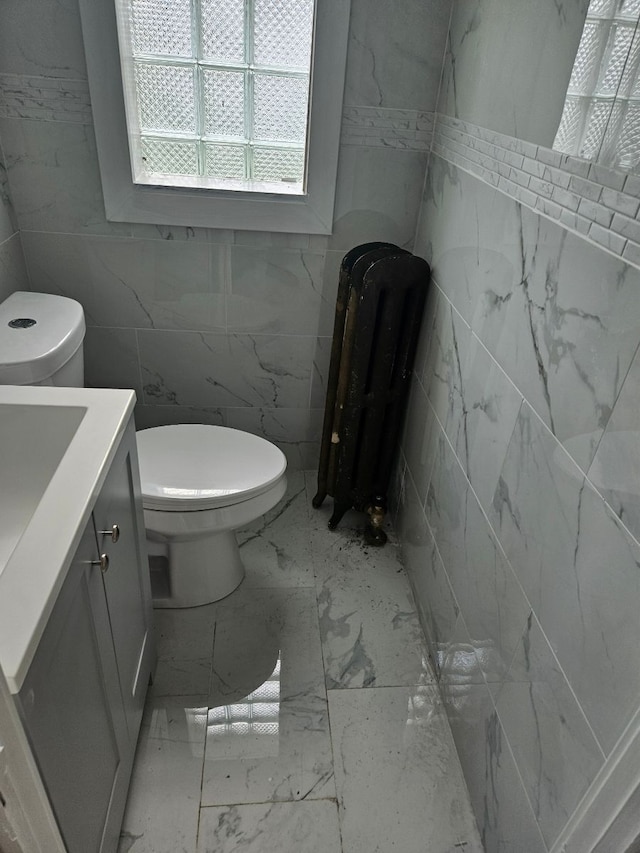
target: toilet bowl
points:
(199, 484)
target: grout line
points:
(613, 406)
(142, 395)
(8, 239)
(204, 746)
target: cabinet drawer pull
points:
(103, 562)
(114, 533)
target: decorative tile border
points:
(381, 127)
(599, 203)
(44, 98)
(62, 99)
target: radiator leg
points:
(339, 510)
(318, 499)
(373, 532)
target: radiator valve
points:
(374, 534)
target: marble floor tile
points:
(253, 627)
(293, 510)
(181, 677)
(268, 728)
(369, 624)
(164, 795)
(276, 557)
(181, 719)
(276, 549)
(398, 777)
(270, 828)
(239, 748)
(184, 634)
(262, 751)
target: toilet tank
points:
(41, 340)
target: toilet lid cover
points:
(195, 466)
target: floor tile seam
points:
(204, 806)
(178, 741)
(397, 579)
(355, 537)
(338, 800)
(268, 802)
(191, 695)
(281, 525)
(204, 751)
(185, 660)
(292, 587)
(153, 696)
(410, 686)
(347, 687)
(389, 597)
(317, 633)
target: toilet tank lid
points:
(33, 351)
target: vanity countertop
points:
(56, 447)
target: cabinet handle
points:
(103, 562)
(114, 533)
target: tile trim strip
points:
(600, 204)
(382, 127)
(62, 99)
(45, 98)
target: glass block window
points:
(603, 98)
(217, 91)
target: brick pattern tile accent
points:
(380, 127)
(601, 204)
(44, 98)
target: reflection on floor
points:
(300, 714)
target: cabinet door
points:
(73, 712)
(126, 581)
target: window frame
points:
(311, 213)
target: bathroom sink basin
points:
(33, 439)
(56, 448)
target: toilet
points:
(199, 483)
(41, 340)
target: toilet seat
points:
(199, 467)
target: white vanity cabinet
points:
(81, 700)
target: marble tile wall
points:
(517, 486)
(212, 325)
(517, 500)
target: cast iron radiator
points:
(381, 295)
